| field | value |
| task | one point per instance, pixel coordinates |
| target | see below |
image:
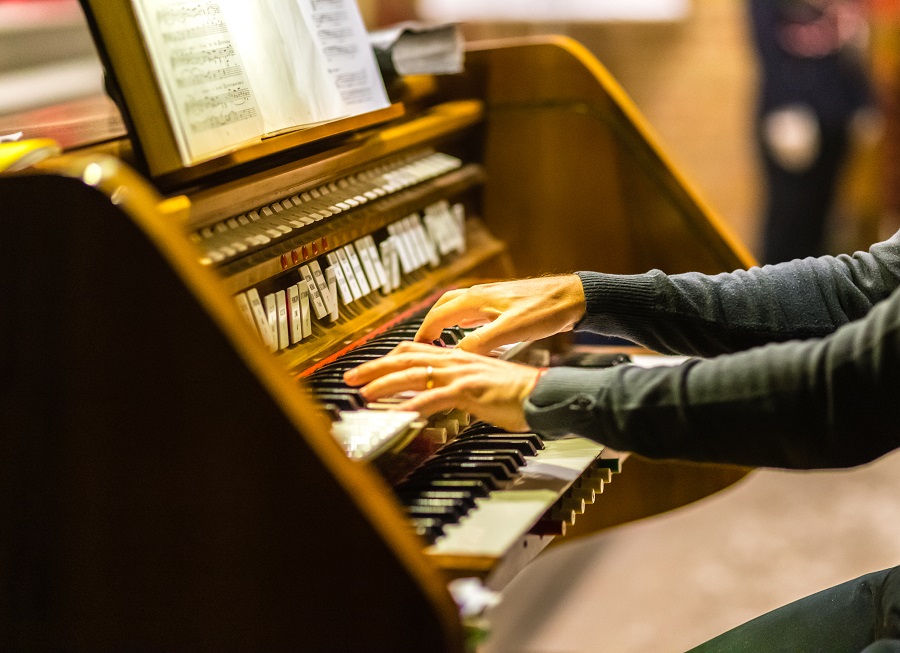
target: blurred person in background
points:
(814, 95)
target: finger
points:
(413, 378)
(502, 331)
(431, 402)
(392, 363)
(447, 297)
(449, 314)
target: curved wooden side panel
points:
(577, 181)
(163, 485)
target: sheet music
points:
(338, 30)
(233, 71)
(204, 86)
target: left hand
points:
(490, 389)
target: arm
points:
(703, 315)
(693, 314)
(820, 403)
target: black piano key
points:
(512, 456)
(532, 438)
(464, 497)
(342, 401)
(432, 477)
(472, 486)
(522, 447)
(458, 507)
(495, 469)
(428, 527)
(447, 514)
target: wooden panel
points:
(576, 179)
(164, 485)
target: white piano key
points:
(500, 519)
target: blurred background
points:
(695, 69)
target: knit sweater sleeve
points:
(823, 402)
(701, 315)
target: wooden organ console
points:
(174, 472)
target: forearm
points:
(823, 403)
(705, 315)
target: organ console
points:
(183, 467)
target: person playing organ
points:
(792, 365)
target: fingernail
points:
(350, 375)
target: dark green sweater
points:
(797, 365)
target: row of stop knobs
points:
(581, 494)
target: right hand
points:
(507, 312)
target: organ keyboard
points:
(180, 340)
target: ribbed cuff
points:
(615, 301)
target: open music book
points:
(233, 72)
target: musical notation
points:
(221, 120)
(328, 18)
(231, 70)
(182, 13)
(231, 97)
(198, 56)
(195, 76)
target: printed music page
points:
(233, 71)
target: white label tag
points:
(348, 273)
(407, 232)
(322, 285)
(428, 246)
(391, 259)
(272, 320)
(367, 264)
(399, 244)
(294, 316)
(305, 313)
(459, 218)
(331, 278)
(284, 333)
(244, 307)
(317, 303)
(343, 286)
(259, 314)
(357, 269)
(376, 262)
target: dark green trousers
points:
(859, 616)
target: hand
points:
(490, 389)
(507, 312)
